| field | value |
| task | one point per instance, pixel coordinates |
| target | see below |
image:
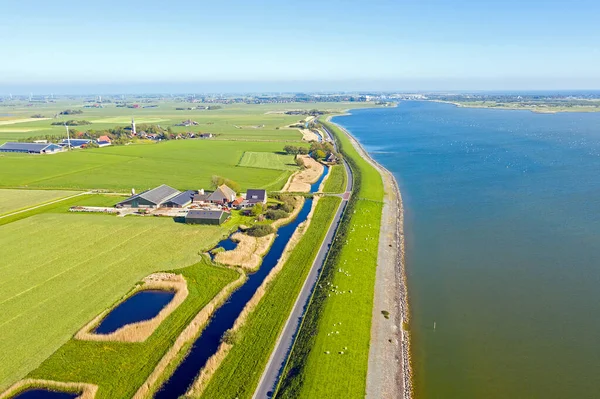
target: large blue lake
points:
(503, 246)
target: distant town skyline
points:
(110, 46)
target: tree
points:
(217, 181)
(257, 209)
(319, 154)
(300, 162)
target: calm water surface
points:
(141, 306)
(503, 246)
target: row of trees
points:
(72, 122)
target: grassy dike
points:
(238, 375)
(120, 368)
(330, 355)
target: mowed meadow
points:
(183, 164)
(60, 270)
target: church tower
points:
(133, 133)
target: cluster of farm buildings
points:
(202, 207)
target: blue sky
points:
(307, 44)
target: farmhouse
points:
(103, 141)
(222, 195)
(256, 196)
(206, 217)
(180, 200)
(31, 148)
(154, 198)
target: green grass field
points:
(331, 352)
(119, 369)
(336, 181)
(60, 270)
(239, 373)
(268, 160)
(183, 164)
(14, 200)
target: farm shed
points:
(180, 200)
(31, 148)
(154, 198)
(206, 217)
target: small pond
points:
(38, 393)
(143, 305)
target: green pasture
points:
(60, 270)
(268, 160)
(183, 164)
(238, 375)
(331, 353)
(118, 368)
(14, 200)
(336, 181)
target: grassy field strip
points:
(24, 120)
(268, 160)
(330, 355)
(119, 369)
(183, 164)
(62, 206)
(93, 260)
(13, 201)
(336, 180)
(239, 373)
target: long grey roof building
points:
(198, 216)
(31, 148)
(151, 198)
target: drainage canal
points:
(208, 342)
(45, 394)
(315, 186)
(141, 306)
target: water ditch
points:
(224, 318)
(315, 186)
(141, 306)
(38, 393)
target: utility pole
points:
(68, 137)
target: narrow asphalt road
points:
(283, 346)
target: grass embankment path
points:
(240, 371)
(331, 353)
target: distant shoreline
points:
(531, 108)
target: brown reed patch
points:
(215, 361)
(139, 332)
(86, 391)
(187, 335)
(248, 253)
(300, 181)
